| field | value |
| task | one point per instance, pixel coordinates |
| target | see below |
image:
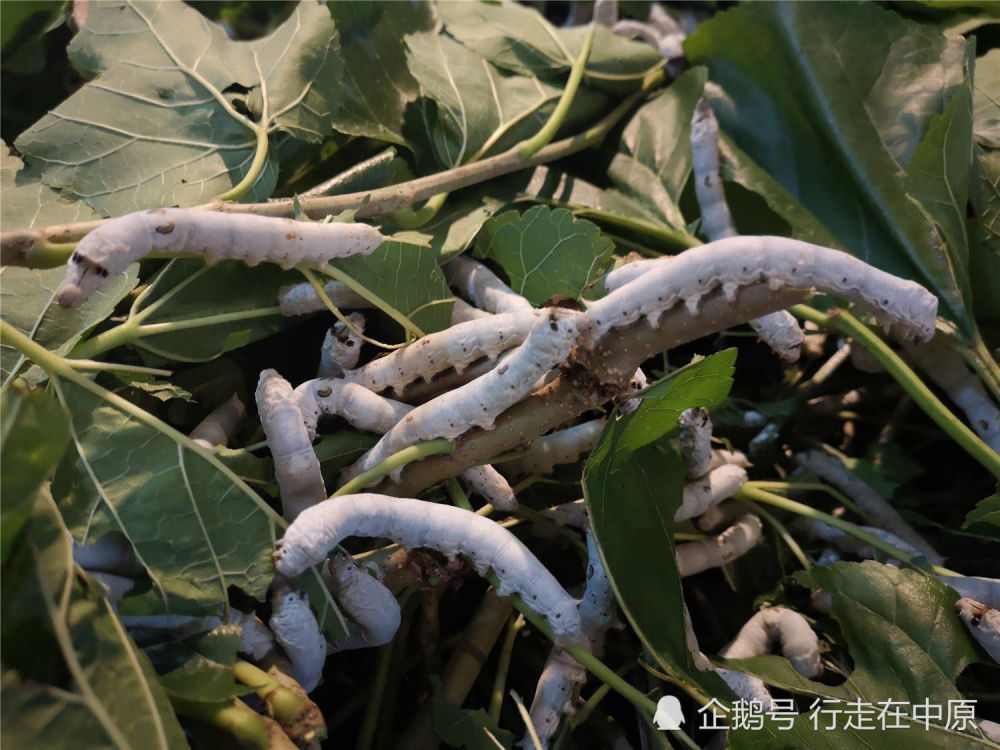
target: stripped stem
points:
(751, 491)
(236, 718)
(503, 666)
(285, 705)
(396, 460)
(845, 323)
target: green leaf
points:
(377, 86)
(207, 673)
(984, 519)
(187, 296)
(27, 295)
(480, 109)
(159, 126)
(33, 436)
(921, 649)
(984, 259)
(986, 100)
(408, 278)
(194, 525)
(546, 252)
(832, 101)
(519, 39)
(466, 728)
(633, 487)
(101, 690)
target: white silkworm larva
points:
(463, 312)
(295, 628)
(112, 553)
(847, 543)
(219, 427)
(558, 447)
(738, 261)
(113, 246)
(989, 728)
(457, 347)
(341, 347)
(569, 514)
(710, 490)
(696, 441)
(482, 287)
(779, 330)
(984, 624)
(605, 12)
(490, 484)
(724, 513)
(301, 299)
(296, 467)
(450, 530)
(748, 688)
(557, 688)
(737, 540)
(477, 404)
(115, 587)
(636, 384)
(720, 457)
(799, 644)
(597, 604)
(368, 411)
(946, 368)
(985, 590)
(365, 600)
(256, 639)
(832, 470)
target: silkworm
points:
(724, 513)
(557, 687)
(115, 587)
(256, 639)
(296, 467)
(737, 540)
(368, 411)
(365, 600)
(779, 330)
(989, 728)
(847, 543)
(113, 246)
(488, 482)
(985, 590)
(637, 383)
(569, 514)
(450, 530)
(984, 624)
(219, 427)
(832, 470)
(477, 404)
(597, 603)
(341, 347)
(559, 447)
(946, 368)
(764, 440)
(457, 347)
(361, 408)
(739, 261)
(710, 490)
(749, 689)
(295, 628)
(463, 312)
(112, 553)
(721, 456)
(482, 287)
(302, 299)
(695, 441)
(799, 644)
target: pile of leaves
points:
(870, 129)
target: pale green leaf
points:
(27, 295)
(99, 691)
(159, 126)
(986, 100)
(546, 252)
(194, 525)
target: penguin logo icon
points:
(668, 713)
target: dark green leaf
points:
(207, 674)
(986, 100)
(832, 101)
(921, 649)
(632, 485)
(105, 693)
(984, 260)
(984, 519)
(465, 728)
(33, 436)
(546, 252)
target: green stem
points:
(541, 139)
(788, 539)
(407, 218)
(335, 273)
(260, 154)
(845, 323)
(395, 461)
(503, 666)
(285, 705)
(48, 254)
(131, 330)
(458, 498)
(236, 718)
(836, 494)
(984, 363)
(752, 492)
(366, 734)
(89, 365)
